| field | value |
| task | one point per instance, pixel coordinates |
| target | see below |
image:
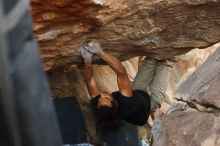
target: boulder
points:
(194, 119)
(125, 28)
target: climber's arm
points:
(122, 77)
(90, 81)
(158, 115)
(88, 72)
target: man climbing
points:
(132, 105)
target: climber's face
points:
(105, 99)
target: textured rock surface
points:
(197, 114)
(183, 68)
(189, 128)
(126, 28)
(203, 86)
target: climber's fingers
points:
(87, 56)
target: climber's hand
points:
(87, 56)
(94, 47)
(158, 114)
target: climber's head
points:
(108, 111)
(105, 99)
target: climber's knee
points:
(157, 98)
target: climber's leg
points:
(145, 75)
(160, 82)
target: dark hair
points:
(108, 117)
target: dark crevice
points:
(201, 107)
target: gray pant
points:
(153, 77)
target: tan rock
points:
(189, 128)
(126, 28)
(195, 120)
(202, 85)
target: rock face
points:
(129, 28)
(202, 86)
(126, 28)
(183, 68)
(190, 128)
(197, 114)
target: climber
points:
(127, 104)
(132, 105)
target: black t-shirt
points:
(135, 109)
